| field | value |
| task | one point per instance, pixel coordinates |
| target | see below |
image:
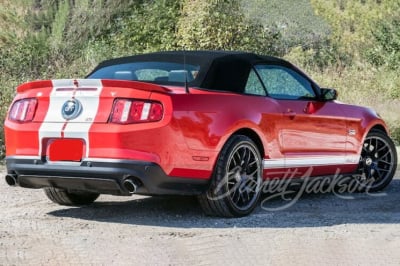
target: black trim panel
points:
(102, 176)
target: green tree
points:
(222, 25)
(150, 26)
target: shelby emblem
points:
(71, 109)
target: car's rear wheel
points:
(236, 182)
(64, 197)
(378, 162)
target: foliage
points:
(354, 23)
(6, 96)
(12, 24)
(150, 27)
(222, 25)
(387, 49)
(395, 132)
(297, 23)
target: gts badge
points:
(71, 109)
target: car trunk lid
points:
(83, 100)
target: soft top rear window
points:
(158, 72)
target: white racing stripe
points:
(54, 125)
(310, 161)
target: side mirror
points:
(328, 94)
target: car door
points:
(312, 133)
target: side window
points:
(284, 83)
(253, 85)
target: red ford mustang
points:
(213, 124)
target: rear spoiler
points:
(88, 83)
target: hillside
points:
(351, 45)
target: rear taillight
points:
(23, 110)
(126, 111)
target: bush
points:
(7, 92)
(149, 27)
(320, 58)
(395, 132)
(297, 23)
(222, 25)
(26, 58)
(386, 50)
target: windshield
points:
(157, 72)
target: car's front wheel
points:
(235, 186)
(378, 162)
(64, 197)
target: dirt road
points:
(320, 229)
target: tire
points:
(236, 182)
(378, 162)
(64, 197)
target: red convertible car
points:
(214, 124)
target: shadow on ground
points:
(311, 210)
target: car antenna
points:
(186, 73)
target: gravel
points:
(319, 229)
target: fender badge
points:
(71, 109)
(352, 132)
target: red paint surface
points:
(197, 125)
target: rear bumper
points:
(101, 176)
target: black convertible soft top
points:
(219, 70)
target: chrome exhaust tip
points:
(130, 186)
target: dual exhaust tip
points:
(130, 185)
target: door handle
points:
(290, 113)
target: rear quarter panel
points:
(208, 120)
